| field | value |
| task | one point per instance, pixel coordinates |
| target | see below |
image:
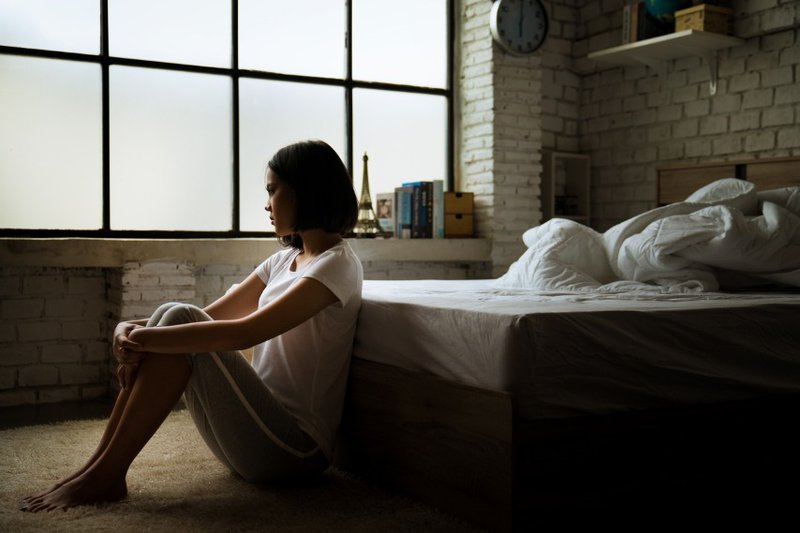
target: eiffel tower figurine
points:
(367, 225)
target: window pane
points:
(170, 150)
(400, 42)
(178, 31)
(50, 144)
(72, 26)
(404, 135)
(304, 37)
(272, 115)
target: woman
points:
(270, 421)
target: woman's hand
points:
(126, 353)
(126, 350)
(126, 374)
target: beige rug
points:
(177, 485)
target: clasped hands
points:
(128, 357)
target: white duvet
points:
(723, 231)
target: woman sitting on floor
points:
(273, 420)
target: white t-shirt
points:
(306, 367)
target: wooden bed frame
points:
(464, 449)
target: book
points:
(438, 209)
(422, 209)
(403, 212)
(633, 25)
(385, 210)
(626, 23)
(648, 26)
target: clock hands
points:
(521, 17)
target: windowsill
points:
(83, 252)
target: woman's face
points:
(281, 205)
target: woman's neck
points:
(316, 241)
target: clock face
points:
(518, 26)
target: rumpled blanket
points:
(725, 230)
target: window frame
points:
(235, 74)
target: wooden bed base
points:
(463, 450)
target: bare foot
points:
(33, 497)
(83, 490)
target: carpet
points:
(176, 484)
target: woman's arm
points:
(239, 302)
(304, 300)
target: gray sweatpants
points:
(241, 421)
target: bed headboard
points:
(675, 183)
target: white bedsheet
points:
(564, 353)
(725, 226)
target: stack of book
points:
(638, 24)
(413, 211)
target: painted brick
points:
(18, 354)
(781, 17)
(745, 121)
(61, 353)
(61, 394)
(713, 125)
(686, 128)
(84, 329)
(759, 141)
(86, 286)
(685, 94)
(726, 103)
(38, 375)
(17, 397)
(63, 307)
(726, 145)
(8, 378)
(23, 308)
(43, 285)
(97, 351)
(697, 108)
(744, 82)
(787, 94)
(39, 331)
(7, 333)
(698, 148)
(756, 99)
(777, 116)
(94, 391)
(78, 374)
(789, 138)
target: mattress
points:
(569, 354)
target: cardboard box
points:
(458, 225)
(459, 202)
(704, 17)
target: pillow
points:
(739, 194)
(787, 197)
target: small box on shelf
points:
(704, 17)
(459, 214)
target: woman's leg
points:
(111, 426)
(159, 384)
(137, 415)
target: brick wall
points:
(53, 334)
(500, 135)
(633, 121)
(56, 323)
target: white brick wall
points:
(501, 135)
(634, 122)
(53, 334)
(56, 324)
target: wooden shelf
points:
(656, 51)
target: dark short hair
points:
(324, 194)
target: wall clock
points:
(518, 26)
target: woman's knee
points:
(180, 313)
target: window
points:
(153, 118)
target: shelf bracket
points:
(713, 72)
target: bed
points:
(507, 405)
